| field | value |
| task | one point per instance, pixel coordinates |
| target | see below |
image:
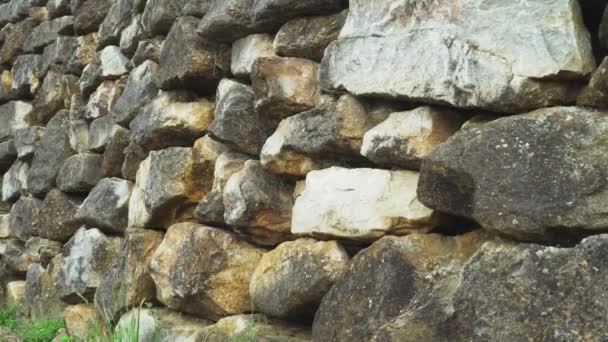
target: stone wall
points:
(296, 170)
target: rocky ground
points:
(311, 170)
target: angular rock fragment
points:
(291, 280)
(148, 49)
(59, 52)
(406, 138)
(283, 86)
(54, 149)
(331, 134)
(87, 258)
(235, 121)
(108, 64)
(118, 18)
(24, 214)
(13, 10)
(361, 204)
(212, 282)
(14, 115)
(27, 140)
(41, 293)
(159, 15)
(139, 90)
(229, 20)
(107, 206)
(211, 208)
(79, 173)
(129, 282)
(83, 54)
(15, 292)
(81, 320)
(259, 203)
(8, 154)
(174, 118)
(56, 219)
(19, 32)
(281, 10)
(114, 155)
(90, 15)
(27, 74)
(78, 134)
(6, 90)
(19, 256)
(101, 132)
(58, 8)
(308, 37)
(246, 50)
(595, 94)
(530, 176)
(160, 324)
(103, 99)
(14, 182)
(131, 35)
(239, 327)
(134, 155)
(54, 94)
(47, 32)
(186, 61)
(453, 59)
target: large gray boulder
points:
(107, 206)
(396, 276)
(27, 140)
(468, 54)
(533, 176)
(59, 52)
(46, 33)
(54, 94)
(42, 299)
(187, 61)
(236, 122)
(229, 20)
(246, 50)
(118, 18)
(48, 159)
(87, 257)
(19, 32)
(139, 90)
(159, 15)
(90, 15)
(80, 173)
(24, 216)
(56, 219)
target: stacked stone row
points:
(227, 161)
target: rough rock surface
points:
(81, 320)
(19, 32)
(309, 36)
(19, 256)
(56, 219)
(235, 121)
(46, 33)
(204, 271)
(129, 283)
(272, 10)
(101, 132)
(283, 86)
(229, 20)
(107, 205)
(246, 50)
(27, 140)
(27, 74)
(87, 258)
(42, 299)
(545, 179)
(360, 204)
(90, 15)
(175, 118)
(240, 327)
(162, 325)
(14, 182)
(54, 94)
(595, 94)
(291, 280)
(139, 90)
(406, 138)
(396, 276)
(445, 57)
(103, 99)
(24, 214)
(186, 61)
(80, 173)
(259, 203)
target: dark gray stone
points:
(90, 15)
(24, 214)
(80, 173)
(56, 219)
(148, 49)
(159, 15)
(47, 32)
(229, 20)
(54, 94)
(139, 90)
(19, 32)
(27, 74)
(27, 141)
(107, 206)
(283, 10)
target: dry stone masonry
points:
(306, 170)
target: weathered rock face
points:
(42, 299)
(24, 214)
(236, 122)
(107, 206)
(129, 282)
(90, 15)
(56, 219)
(46, 33)
(114, 155)
(15, 292)
(14, 182)
(18, 32)
(108, 64)
(27, 140)
(54, 149)
(87, 258)
(83, 55)
(148, 49)
(527, 176)
(186, 61)
(211, 208)
(406, 138)
(139, 90)
(27, 74)
(19, 256)
(59, 52)
(269, 10)
(14, 115)
(595, 94)
(227, 21)
(329, 135)
(172, 119)
(54, 94)
(212, 282)
(360, 204)
(103, 99)
(8, 154)
(118, 18)
(283, 86)
(259, 203)
(396, 276)
(291, 280)
(308, 37)
(161, 325)
(101, 132)
(80, 173)
(160, 14)
(81, 320)
(246, 50)
(255, 326)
